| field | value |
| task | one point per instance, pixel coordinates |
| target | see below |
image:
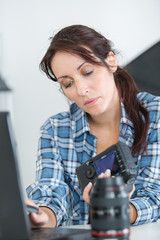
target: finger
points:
(86, 191)
(101, 175)
(30, 202)
(133, 189)
(38, 220)
(107, 173)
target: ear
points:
(111, 62)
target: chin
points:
(95, 113)
(96, 110)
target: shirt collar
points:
(124, 116)
(79, 121)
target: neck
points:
(109, 118)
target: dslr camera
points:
(117, 158)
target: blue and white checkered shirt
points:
(66, 142)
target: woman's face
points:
(91, 87)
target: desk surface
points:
(149, 231)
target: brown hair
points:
(74, 39)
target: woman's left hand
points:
(88, 188)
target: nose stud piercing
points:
(85, 92)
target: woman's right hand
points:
(87, 189)
(44, 218)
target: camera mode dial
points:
(90, 172)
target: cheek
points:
(104, 82)
(71, 94)
(107, 87)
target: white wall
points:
(26, 25)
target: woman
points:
(107, 108)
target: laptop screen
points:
(14, 222)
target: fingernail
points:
(101, 175)
(39, 211)
(89, 184)
(108, 172)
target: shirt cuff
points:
(58, 213)
(144, 211)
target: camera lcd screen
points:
(107, 161)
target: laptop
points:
(14, 220)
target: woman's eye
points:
(69, 84)
(88, 73)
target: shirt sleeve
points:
(50, 189)
(146, 197)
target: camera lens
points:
(110, 209)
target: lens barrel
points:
(110, 209)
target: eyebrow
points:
(81, 65)
(65, 76)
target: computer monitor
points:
(14, 222)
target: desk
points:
(149, 231)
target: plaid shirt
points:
(66, 142)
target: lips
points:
(91, 102)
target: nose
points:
(82, 87)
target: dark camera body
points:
(117, 158)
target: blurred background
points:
(25, 28)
